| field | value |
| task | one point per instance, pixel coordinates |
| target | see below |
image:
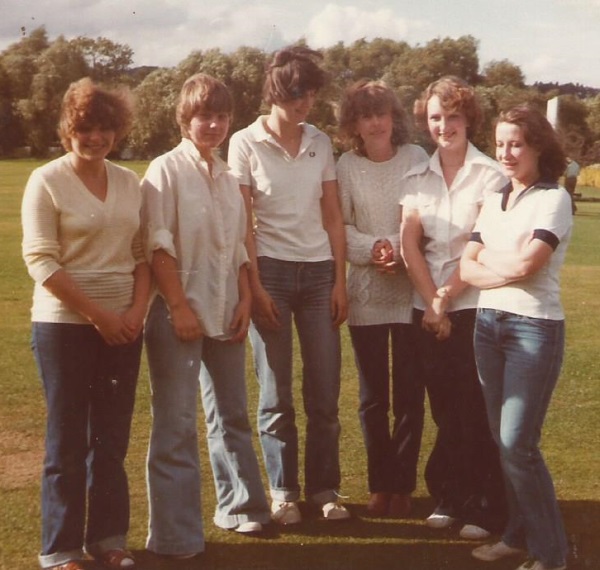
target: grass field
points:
(570, 442)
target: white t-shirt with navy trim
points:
(542, 211)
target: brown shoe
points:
(378, 504)
(71, 565)
(399, 506)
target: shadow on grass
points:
(369, 544)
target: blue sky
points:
(551, 40)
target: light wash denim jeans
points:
(519, 360)
(302, 292)
(90, 394)
(176, 369)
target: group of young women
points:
(453, 267)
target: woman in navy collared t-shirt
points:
(514, 256)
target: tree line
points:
(36, 71)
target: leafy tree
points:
(155, 130)
(572, 121)
(107, 62)
(57, 66)
(420, 66)
(245, 82)
(503, 73)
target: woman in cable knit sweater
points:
(82, 247)
(370, 175)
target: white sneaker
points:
(537, 565)
(435, 520)
(496, 551)
(285, 512)
(474, 532)
(249, 527)
(335, 512)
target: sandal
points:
(116, 559)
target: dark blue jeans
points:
(392, 454)
(90, 393)
(463, 472)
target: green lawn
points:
(570, 443)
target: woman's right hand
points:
(264, 311)
(113, 328)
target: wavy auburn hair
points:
(86, 105)
(456, 95)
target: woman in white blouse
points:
(442, 201)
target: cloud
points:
(348, 23)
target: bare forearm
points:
(166, 274)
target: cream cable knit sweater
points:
(370, 194)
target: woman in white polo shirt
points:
(442, 201)
(514, 256)
(287, 176)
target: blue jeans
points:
(90, 393)
(519, 360)
(463, 472)
(177, 368)
(302, 292)
(392, 456)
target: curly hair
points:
(455, 94)
(363, 99)
(292, 72)
(86, 105)
(201, 92)
(540, 135)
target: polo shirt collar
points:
(259, 133)
(506, 190)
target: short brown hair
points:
(86, 105)
(455, 95)
(540, 135)
(201, 92)
(292, 72)
(365, 98)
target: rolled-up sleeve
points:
(40, 246)
(159, 211)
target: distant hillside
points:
(581, 91)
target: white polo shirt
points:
(286, 190)
(544, 212)
(449, 214)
